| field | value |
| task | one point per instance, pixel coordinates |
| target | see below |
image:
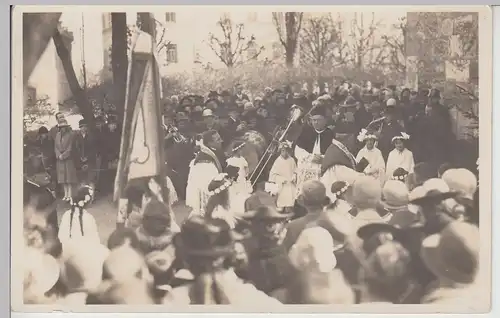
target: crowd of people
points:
(361, 202)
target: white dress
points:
(90, 232)
(376, 166)
(242, 184)
(399, 159)
(283, 174)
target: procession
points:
(357, 192)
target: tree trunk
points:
(119, 60)
(79, 95)
(291, 38)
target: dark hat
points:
(367, 231)
(399, 174)
(232, 172)
(213, 94)
(43, 130)
(82, 123)
(262, 206)
(201, 236)
(318, 110)
(156, 210)
(424, 171)
(225, 93)
(434, 93)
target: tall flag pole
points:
(141, 151)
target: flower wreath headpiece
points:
(83, 202)
(365, 135)
(227, 183)
(286, 144)
(400, 178)
(403, 136)
(341, 191)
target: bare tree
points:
(365, 52)
(395, 46)
(233, 48)
(322, 42)
(78, 92)
(288, 28)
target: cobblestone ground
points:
(104, 210)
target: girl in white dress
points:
(237, 160)
(400, 157)
(284, 174)
(373, 156)
(77, 223)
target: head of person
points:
(313, 251)
(208, 117)
(212, 139)
(313, 196)
(366, 193)
(368, 137)
(43, 132)
(318, 118)
(434, 96)
(285, 149)
(156, 218)
(400, 140)
(386, 274)
(82, 124)
(238, 88)
(405, 95)
(60, 117)
(462, 181)
(121, 237)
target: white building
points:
(188, 34)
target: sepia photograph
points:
(206, 155)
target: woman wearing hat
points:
(370, 156)
(207, 247)
(64, 145)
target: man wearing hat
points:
(269, 267)
(346, 126)
(210, 121)
(312, 145)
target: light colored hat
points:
(395, 195)
(124, 263)
(366, 192)
(461, 180)
(391, 102)
(454, 253)
(313, 193)
(207, 112)
(313, 249)
(41, 271)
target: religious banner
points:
(141, 152)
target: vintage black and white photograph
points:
(207, 155)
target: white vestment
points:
(376, 166)
(283, 173)
(306, 169)
(399, 159)
(200, 176)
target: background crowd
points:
(404, 230)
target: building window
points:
(172, 53)
(170, 17)
(252, 17)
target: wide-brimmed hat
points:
(200, 236)
(432, 191)
(461, 180)
(367, 231)
(454, 253)
(262, 206)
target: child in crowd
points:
(370, 156)
(400, 157)
(77, 223)
(236, 159)
(283, 174)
